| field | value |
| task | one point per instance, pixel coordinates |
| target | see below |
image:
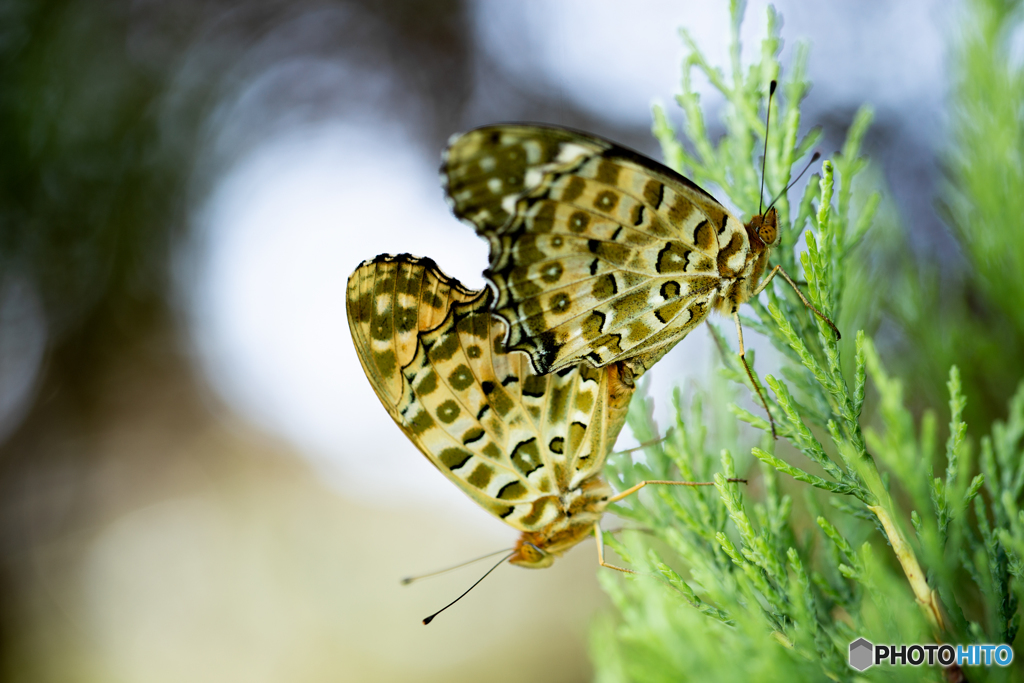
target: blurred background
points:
(196, 480)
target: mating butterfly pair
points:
(601, 261)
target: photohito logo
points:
(864, 654)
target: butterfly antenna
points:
(431, 617)
(764, 159)
(409, 579)
(793, 182)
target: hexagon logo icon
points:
(861, 654)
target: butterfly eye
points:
(529, 555)
(768, 230)
(536, 555)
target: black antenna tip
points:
(771, 88)
(406, 581)
(817, 155)
(431, 617)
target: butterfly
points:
(528, 448)
(598, 253)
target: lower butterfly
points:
(528, 448)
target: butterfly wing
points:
(390, 300)
(597, 252)
(514, 441)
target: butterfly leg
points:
(743, 359)
(778, 269)
(633, 489)
(600, 551)
(764, 282)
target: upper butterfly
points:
(598, 252)
(527, 448)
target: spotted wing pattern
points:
(391, 299)
(526, 447)
(597, 252)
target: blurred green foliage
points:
(969, 312)
(92, 178)
(902, 535)
(96, 149)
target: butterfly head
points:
(530, 556)
(764, 228)
(579, 510)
